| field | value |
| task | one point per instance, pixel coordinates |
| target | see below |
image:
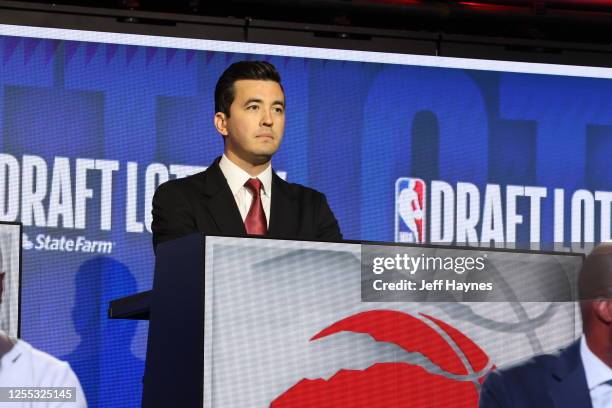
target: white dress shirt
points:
(236, 177)
(598, 377)
(25, 366)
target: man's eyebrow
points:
(252, 100)
(257, 100)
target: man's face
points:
(254, 129)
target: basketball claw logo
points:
(453, 369)
(410, 210)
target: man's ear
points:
(603, 310)
(221, 123)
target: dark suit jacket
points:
(204, 203)
(545, 381)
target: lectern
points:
(174, 366)
(255, 322)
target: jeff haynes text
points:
(436, 285)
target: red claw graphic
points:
(398, 384)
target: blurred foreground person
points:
(578, 376)
(21, 366)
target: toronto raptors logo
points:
(448, 372)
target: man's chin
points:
(262, 158)
(256, 157)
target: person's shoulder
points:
(528, 382)
(525, 370)
(187, 182)
(516, 384)
(47, 371)
(547, 361)
(182, 186)
(315, 208)
(299, 191)
(45, 367)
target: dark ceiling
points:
(558, 20)
(576, 32)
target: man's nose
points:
(266, 118)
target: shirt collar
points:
(236, 177)
(596, 371)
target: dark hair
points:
(224, 91)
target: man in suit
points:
(579, 376)
(239, 194)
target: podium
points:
(238, 322)
(174, 365)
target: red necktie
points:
(255, 221)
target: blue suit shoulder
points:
(538, 381)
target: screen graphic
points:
(286, 325)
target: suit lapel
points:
(221, 203)
(284, 210)
(569, 387)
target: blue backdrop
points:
(88, 130)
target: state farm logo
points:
(410, 210)
(63, 243)
(447, 370)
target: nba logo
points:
(410, 210)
